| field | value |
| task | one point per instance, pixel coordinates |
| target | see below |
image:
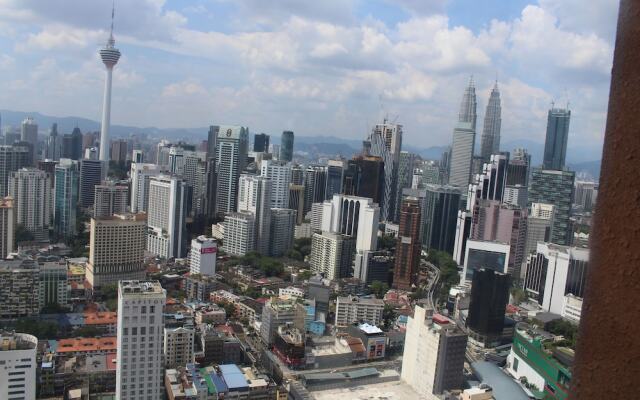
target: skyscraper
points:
(296, 201)
(335, 173)
(555, 144)
(12, 158)
(212, 136)
(90, 176)
(469, 105)
(110, 198)
(139, 364)
(66, 198)
(231, 160)
(76, 144)
(53, 149)
(280, 174)
(555, 188)
(491, 131)
(283, 222)
(408, 244)
(166, 221)
(353, 216)
(202, 256)
(315, 183)
(29, 134)
(464, 138)
(254, 196)
(116, 249)
(110, 56)
(7, 227)
(441, 213)
(364, 177)
(406, 165)
(286, 146)
(30, 189)
(489, 299)
(332, 254)
(141, 175)
(386, 141)
(261, 142)
(239, 233)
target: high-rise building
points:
(90, 176)
(141, 175)
(408, 244)
(556, 188)
(464, 138)
(442, 203)
(555, 272)
(283, 222)
(555, 144)
(239, 233)
(516, 195)
(386, 141)
(29, 134)
(335, 174)
(166, 221)
(19, 288)
(119, 150)
(66, 198)
(110, 198)
(286, 146)
(254, 196)
(434, 354)
(297, 174)
(53, 149)
(116, 249)
(372, 266)
(178, 346)
(18, 356)
(12, 158)
(364, 177)
(485, 254)
(406, 165)
(353, 216)
(231, 160)
(7, 226)
(518, 168)
(469, 105)
(212, 136)
(539, 227)
(315, 182)
(30, 189)
(489, 299)
(586, 194)
(280, 174)
(296, 201)
(202, 256)
(352, 309)
(54, 284)
(491, 130)
(137, 156)
(332, 254)
(261, 142)
(76, 144)
(110, 56)
(139, 364)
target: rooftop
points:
(100, 318)
(17, 341)
(106, 344)
(384, 390)
(141, 287)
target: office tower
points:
(280, 174)
(283, 222)
(254, 196)
(489, 299)
(29, 134)
(231, 160)
(66, 198)
(76, 144)
(110, 56)
(442, 203)
(556, 188)
(480, 254)
(141, 175)
(316, 216)
(119, 150)
(386, 142)
(335, 173)
(137, 156)
(296, 201)
(261, 142)
(372, 266)
(12, 158)
(539, 227)
(461, 154)
(140, 315)
(89, 140)
(53, 150)
(90, 176)
(162, 154)
(518, 168)
(116, 249)
(555, 144)
(516, 195)
(469, 105)
(332, 254)
(406, 165)
(491, 130)
(212, 136)
(297, 174)
(178, 346)
(54, 285)
(18, 356)
(586, 194)
(202, 256)
(352, 309)
(315, 183)
(434, 354)
(210, 192)
(19, 287)
(364, 177)
(166, 225)
(286, 146)
(353, 216)
(192, 166)
(505, 223)
(110, 198)
(408, 244)
(91, 153)
(7, 226)
(30, 189)
(239, 233)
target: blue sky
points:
(331, 67)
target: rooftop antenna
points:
(113, 14)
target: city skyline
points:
(324, 81)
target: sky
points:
(330, 67)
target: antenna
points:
(113, 15)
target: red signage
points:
(208, 250)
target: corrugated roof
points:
(504, 388)
(234, 377)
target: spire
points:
(468, 105)
(490, 141)
(113, 15)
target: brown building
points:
(408, 244)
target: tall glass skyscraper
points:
(555, 144)
(556, 188)
(66, 197)
(490, 143)
(286, 146)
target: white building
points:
(332, 254)
(7, 227)
(485, 254)
(434, 352)
(239, 234)
(254, 196)
(464, 136)
(32, 199)
(18, 360)
(291, 291)
(141, 175)
(140, 365)
(231, 159)
(283, 222)
(166, 225)
(515, 195)
(203, 254)
(178, 346)
(110, 199)
(352, 309)
(280, 174)
(353, 216)
(572, 308)
(539, 228)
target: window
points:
(515, 364)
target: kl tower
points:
(110, 56)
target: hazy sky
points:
(318, 67)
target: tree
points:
(305, 274)
(295, 254)
(389, 316)
(379, 288)
(386, 242)
(519, 295)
